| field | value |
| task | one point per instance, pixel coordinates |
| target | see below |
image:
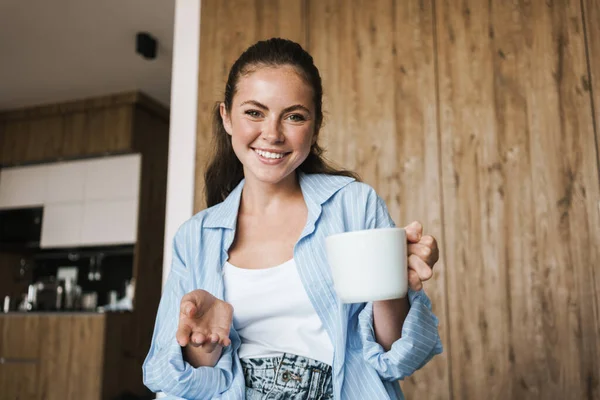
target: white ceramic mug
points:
(368, 265)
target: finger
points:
(424, 271)
(432, 244)
(414, 231)
(413, 281)
(214, 338)
(198, 339)
(225, 342)
(419, 250)
(183, 334)
(188, 307)
(424, 252)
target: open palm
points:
(204, 321)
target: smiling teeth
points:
(267, 154)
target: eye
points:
(296, 118)
(253, 113)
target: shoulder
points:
(356, 194)
(359, 206)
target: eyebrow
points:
(287, 109)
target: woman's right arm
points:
(165, 369)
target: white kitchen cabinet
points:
(62, 225)
(22, 186)
(109, 222)
(86, 203)
(112, 178)
(65, 182)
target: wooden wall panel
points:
(227, 29)
(415, 182)
(591, 14)
(389, 136)
(520, 186)
(566, 181)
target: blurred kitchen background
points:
(479, 119)
(85, 93)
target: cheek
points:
(244, 131)
(300, 135)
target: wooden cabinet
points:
(54, 356)
(23, 187)
(86, 202)
(109, 222)
(112, 178)
(55, 132)
(64, 182)
(62, 226)
(19, 357)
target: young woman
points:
(249, 309)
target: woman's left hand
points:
(423, 253)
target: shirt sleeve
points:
(164, 369)
(420, 339)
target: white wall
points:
(182, 131)
(182, 136)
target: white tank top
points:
(273, 314)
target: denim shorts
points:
(288, 377)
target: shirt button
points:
(285, 376)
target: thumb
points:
(188, 308)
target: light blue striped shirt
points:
(361, 368)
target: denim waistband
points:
(288, 377)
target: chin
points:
(272, 177)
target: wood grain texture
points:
(225, 32)
(591, 84)
(54, 372)
(520, 183)
(377, 64)
(108, 130)
(86, 357)
(84, 105)
(416, 185)
(89, 127)
(18, 381)
(19, 346)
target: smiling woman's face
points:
(271, 123)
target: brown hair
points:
(224, 170)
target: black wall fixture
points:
(145, 45)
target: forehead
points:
(282, 83)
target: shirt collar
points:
(316, 189)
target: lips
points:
(270, 157)
(270, 154)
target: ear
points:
(226, 119)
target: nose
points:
(273, 131)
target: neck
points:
(259, 198)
